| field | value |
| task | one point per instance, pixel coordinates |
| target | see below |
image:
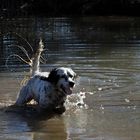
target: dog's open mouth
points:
(67, 90)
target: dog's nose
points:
(71, 84)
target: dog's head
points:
(63, 78)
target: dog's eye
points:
(71, 76)
(64, 76)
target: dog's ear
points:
(53, 77)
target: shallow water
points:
(104, 52)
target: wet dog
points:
(49, 91)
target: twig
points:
(35, 60)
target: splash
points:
(76, 101)
(6, 103)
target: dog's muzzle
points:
(71, 84)
(68, 90)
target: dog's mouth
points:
(67, 90)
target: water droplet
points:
(134, 107)
(101, 107)
(127, 100)
(100, 89)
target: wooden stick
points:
(35, 60)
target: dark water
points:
(104, 52)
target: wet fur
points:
(48, 90)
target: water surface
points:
(104, 52)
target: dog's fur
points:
(49, 91)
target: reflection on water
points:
(105, 53)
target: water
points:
(103, 51)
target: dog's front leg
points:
(60, 108)
(43, 102)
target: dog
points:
(48, 90)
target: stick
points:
(35, 60)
